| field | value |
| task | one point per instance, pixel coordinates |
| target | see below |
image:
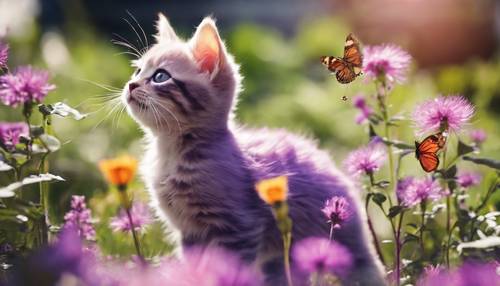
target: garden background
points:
(277, 44)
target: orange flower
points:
(119, 171)
(273, 190)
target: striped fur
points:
(201, 175)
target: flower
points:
(411, 191)
(469, 273)
(478, 136)
(366, 111)
(336, 210)
(4, 54)
(119, 171)
(273, 190)
(10, 133)
(367, 159)
(25, 85)
(387, 62)
(468, 179)
(139, 214)
(214, 267)
(315, 254)
(79, 218)
(449, 113)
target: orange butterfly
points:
(426, 151)
(346, 69)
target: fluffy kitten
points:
(201, 167)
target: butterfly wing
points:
(426, 151)
(343, 70)
(428, 161)
(352, 53)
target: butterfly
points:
(426, 151)
(347, 68)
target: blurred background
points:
(278, 44)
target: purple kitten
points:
(201, 167)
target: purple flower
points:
(468, 179)
(478, 136)
(79, 218)
(213, 267)
(141, 217)
(4, 54)
(411, 191)
(315, 254)
(365, 110)
(24, 85)
(336, 210)
(10, 133)
(387, 62)
(367, 159)
(468, 274)
(449, 113)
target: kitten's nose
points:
(132, 86)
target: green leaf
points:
(63, 110)
(463, 148)
(51, 142)
(399, 144)
(8, 191)
(394, 211)
(371, 131)
(382, 184)
(5, 167)
(36, 131)
(487, 242)
(495, 164)
(379, 198)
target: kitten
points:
(201, 167)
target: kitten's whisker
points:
(126, 41)
(162, 116)
(140, 27)
(113, 109)
(136, 33)
(101, 85)
(134, 52)
(171, 114)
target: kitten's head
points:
(179, 85)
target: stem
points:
(448, 229)
(374, 234)
(287, 240)
(331, 231)
(423, 207)
(134, 234)
(127, 205)
(398, 249)
(381, 96)
(314, 279)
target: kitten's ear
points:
(207, 46)
(165, 32)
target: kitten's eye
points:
(137, 71)
(161, 76)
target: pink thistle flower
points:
(387, 62)
(367, 159)
(79, 218)
(448, 113)
(24, 85)
(411, 191)
(336, 210)
(10, 134)
(4, 54)
(478, 136)
(468, 179)
(141, 218)
(210, 267)
(365, 110)
(320, 255)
